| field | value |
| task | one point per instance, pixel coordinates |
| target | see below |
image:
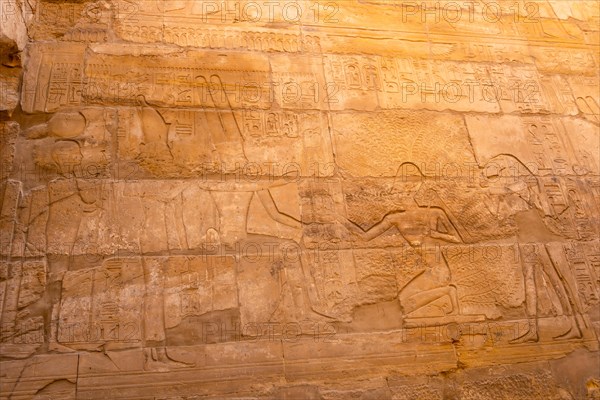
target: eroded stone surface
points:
(359, 199)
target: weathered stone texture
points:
(357, 199)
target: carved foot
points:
(158, 360)
(572, 333)
(530, 336)
(59, 348)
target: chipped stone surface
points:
(358, 199)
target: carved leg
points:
(531, 334)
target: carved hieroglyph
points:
(369, 199)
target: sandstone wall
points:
(351, 199)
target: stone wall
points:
(351, 199)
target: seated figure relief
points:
(425, 293)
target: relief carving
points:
(305, 199)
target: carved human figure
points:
(416, 225)
(155, 352)
(232, 200)
(233, 208)
(535, 257)
(69, 203)
(220, 143)
(73, 204)
(225, 131)
(155, 145)
(420, 227)
(512, 188)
